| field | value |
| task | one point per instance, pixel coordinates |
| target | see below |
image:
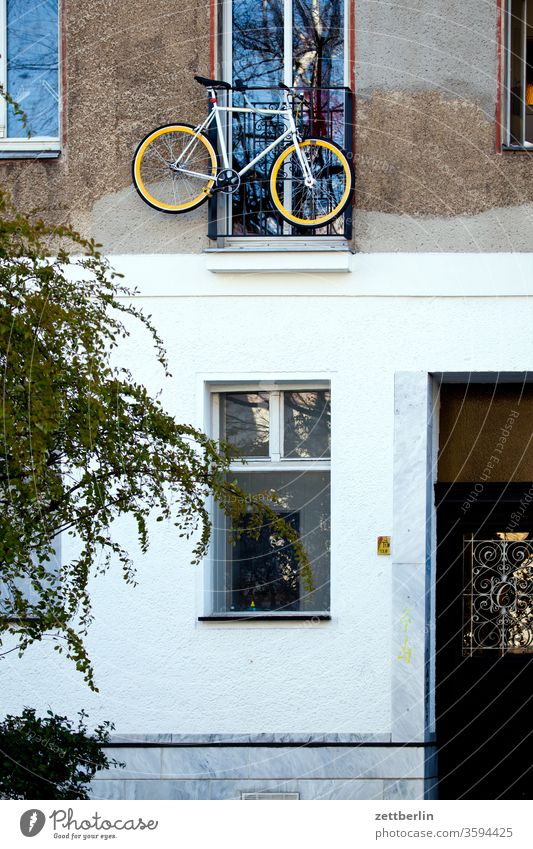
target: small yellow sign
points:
(383, 545)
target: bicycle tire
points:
(153, 178)
(333, 187)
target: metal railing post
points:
(212, 203)
(348, 146)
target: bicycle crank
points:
(227, 181)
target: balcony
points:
(247, 217)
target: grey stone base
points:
(184, 771)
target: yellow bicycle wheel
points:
(174, 168)
(316, 203)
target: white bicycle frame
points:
(215, 115)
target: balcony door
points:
(298, 41)
(301, 43)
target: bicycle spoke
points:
(163, 182)
(323, 198)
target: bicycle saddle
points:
(212, 83)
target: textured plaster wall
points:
(159, 669)
(129, 68)
(429, 177)
(429, 174)
(447, 45)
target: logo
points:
(32, 822)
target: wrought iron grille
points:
(498, 596)
(327, 112)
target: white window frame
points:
(226, 53)
(260, 464)
(35, 144)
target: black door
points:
(484, 670)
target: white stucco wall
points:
(158, 668)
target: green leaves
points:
(50, 757)
(83, 443)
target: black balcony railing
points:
(326, 113)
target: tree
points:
(50, 757)
(84, 443)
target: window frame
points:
(258, 465)
(506, 70)
(223, 48)
(36, 144)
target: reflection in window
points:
(288, 431)
(245, 422)
(314, 31)
(258, 34)
(307, 423)
(33, 66)
(318, 43)
(317, 28)
(265, 571)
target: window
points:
(283, 431)
(25, 585)
(29, 71)
(301, 43)
(519, 74)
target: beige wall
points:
(428, 174)
(129, 67)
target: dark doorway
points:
(484, 640)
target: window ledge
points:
(266, 617)
(33, 153)
(278, 260)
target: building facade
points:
(369, 370)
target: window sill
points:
(30, 153)
(517, 149)
(276, 260)
(266, 617)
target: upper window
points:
(301, 43)
(284, 434)
(519, 74)
(29, 72)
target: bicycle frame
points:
(215, 115)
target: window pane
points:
(307, 423)
(262, 575)
(258, 41)
(318, 43)
(257, 46)
(33, 66)
(245, 422)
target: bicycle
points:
(176, 167)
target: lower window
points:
(284, 436)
